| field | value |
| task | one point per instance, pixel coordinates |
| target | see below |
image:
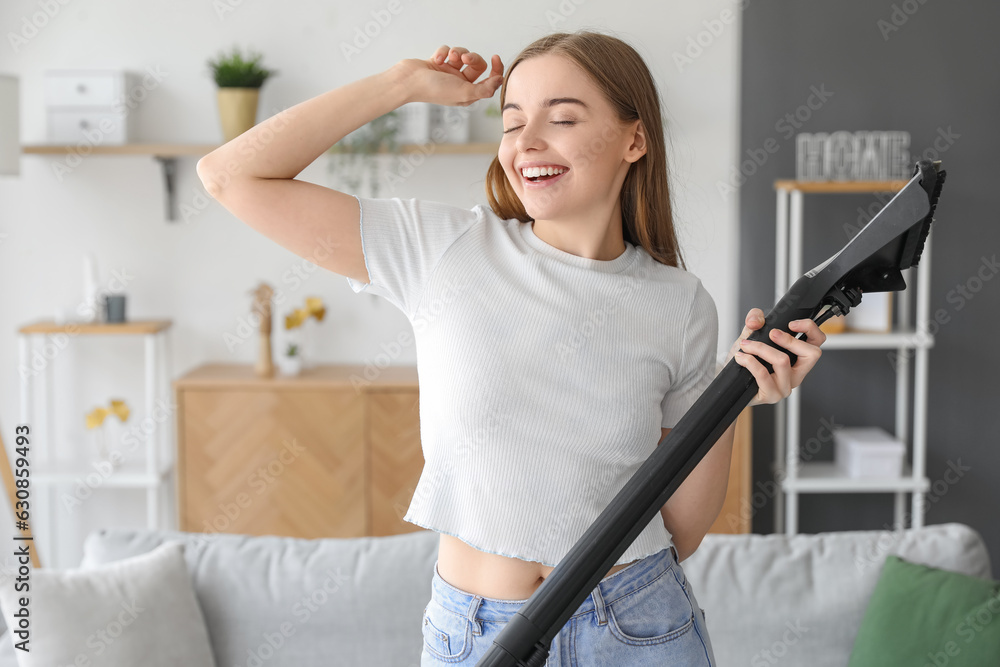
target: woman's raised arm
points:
(253, 175)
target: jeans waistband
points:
(626, 580)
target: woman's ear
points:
(638, 147)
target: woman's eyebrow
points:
(551, 102)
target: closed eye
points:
(555, 122)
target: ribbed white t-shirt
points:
(544, 376)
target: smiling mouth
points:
(542, 179)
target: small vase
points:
(237, 110)
(292, 365)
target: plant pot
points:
(291, 365)
(237, 110)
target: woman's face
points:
(542, 126)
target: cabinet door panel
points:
(396, 458)
(737, 513)
(287, 462)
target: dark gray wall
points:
(936, 74)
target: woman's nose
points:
(528, 136)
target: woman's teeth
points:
(536, 172)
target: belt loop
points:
(474, 604)
(602, 616)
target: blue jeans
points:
(644, 614)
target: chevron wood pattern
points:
(322, 455)
(296, 457)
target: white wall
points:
(198, 272)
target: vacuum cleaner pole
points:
(870, 262)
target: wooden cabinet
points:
(322, 454)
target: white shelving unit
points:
(49, 471)
(908, 338)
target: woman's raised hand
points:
(441, 79)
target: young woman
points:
(559, 335)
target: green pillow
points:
(920, 616)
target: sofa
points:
(768, 599)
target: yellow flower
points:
(314, 308)
(97, 416)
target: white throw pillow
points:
(136, 611)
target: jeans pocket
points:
(658, 612)
(447, 635)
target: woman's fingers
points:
(453, 59)
(784, 376)
(780, 362)
(814, 335)
(449, 55)
(767, 389)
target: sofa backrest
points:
(285, 601)
(799, 600)
(768, 599)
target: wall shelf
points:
(168, 154)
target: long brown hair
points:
(620, 72)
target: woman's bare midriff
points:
(490, 575)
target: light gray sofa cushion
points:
(300, 602)
(139, 610)
(799, 600)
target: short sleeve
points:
(698, 365)
(402, 241)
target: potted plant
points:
(239, 80)
(354, 154)
(496, 126)
(293, 361)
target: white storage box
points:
(92, 107)
(868, 452)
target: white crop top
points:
(544, 376)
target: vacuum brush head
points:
(931, 180)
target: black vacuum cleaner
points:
(872, 261)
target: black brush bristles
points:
(917, 235)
